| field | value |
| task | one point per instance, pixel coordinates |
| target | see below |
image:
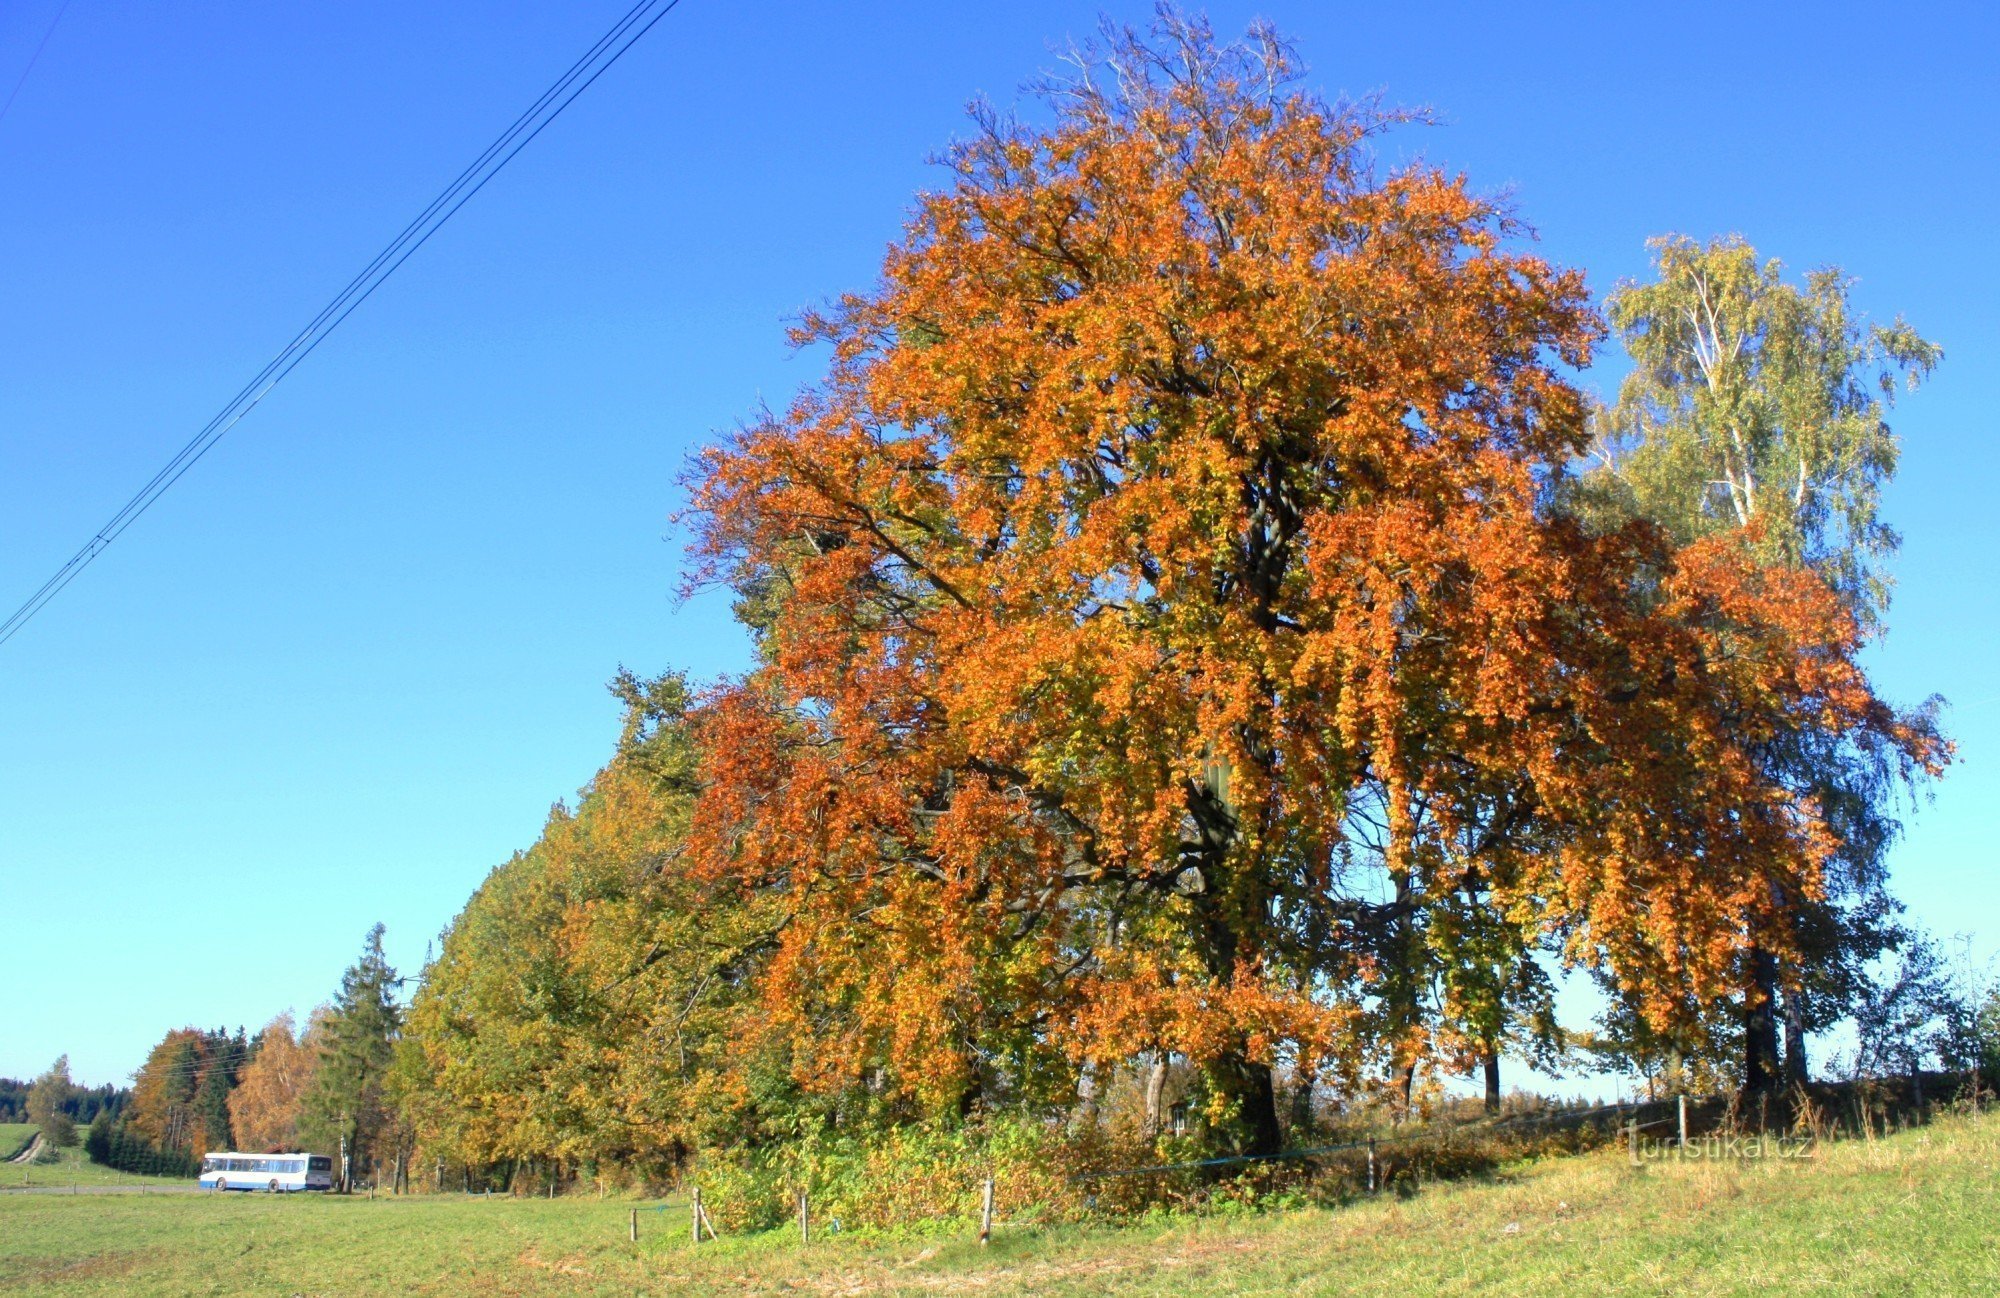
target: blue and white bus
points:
(277, 1173)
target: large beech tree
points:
(1169, 640)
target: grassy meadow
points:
(1912, 1213)
(71, 1167)
(14, 1137)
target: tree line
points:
(323, 1089)
(59, 1095)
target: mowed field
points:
(1915, 1213)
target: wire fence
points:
(1420, 1132)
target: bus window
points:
(321, 1163)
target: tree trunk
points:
(1796, 1070)
(1760, 1027)
(1406, 1086)
(1156, 1089)
(1225, 914)
(1252, 1098)
(1302, 1101)
(1492, 1079)
(1086, 1095)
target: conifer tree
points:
(346, 1106)
(97, 1143)
(222, 1060)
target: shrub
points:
(913, 1180)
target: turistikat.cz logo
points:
(1716, 1146)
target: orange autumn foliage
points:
(1163, 615)
(264, 1105)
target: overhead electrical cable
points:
(33, 59)
(593, 64)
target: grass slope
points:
(1910, 1214)
(15, 1137)
(73, 1167)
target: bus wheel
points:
(274, 1185)
(221, 1184)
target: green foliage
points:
(180, 1097)
(577, 1007)
(83, 1104)
(1753, 400)
(120, 1147)
(97, 1144)
(48, 1103)
(1923, 1012)
(224, 1058)
(347, 1105)
(1760, 406)
(912, 1179)
(1986, 1029)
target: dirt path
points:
(28, 1155)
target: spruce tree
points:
(223, 1057)
(346, 1101)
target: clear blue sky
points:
(345, 667)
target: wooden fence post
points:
(805, 1220)
(1371, 1164)
(986, 1212)
(694, 1214)
(635, 1225)
(1684, 1120)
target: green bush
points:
(911, 1180)
(926, 1180)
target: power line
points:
(33, 59)
(593, 64)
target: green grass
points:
(1910, 1214)
(72, 1167)
(15, 1137)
